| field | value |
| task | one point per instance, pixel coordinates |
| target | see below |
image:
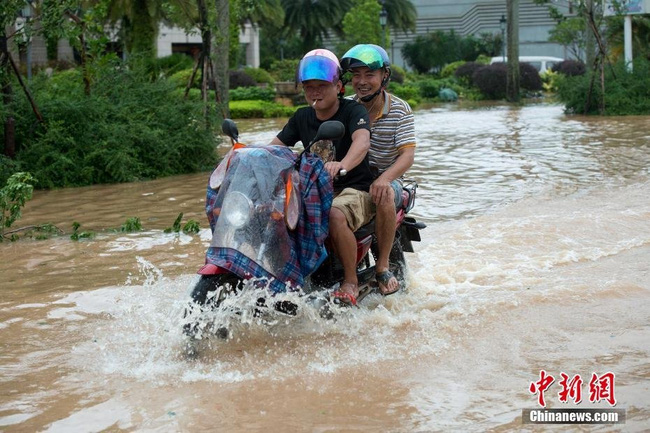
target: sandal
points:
(383, 278)
(345, 298)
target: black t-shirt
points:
(303, 125)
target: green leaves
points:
(626, 93)
(76, 234)
(13, 196)
(190, 227)
(361, 24)
(132, 224)
(129, 128)
(176, 227)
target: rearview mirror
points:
(330, 130)
(229, 127)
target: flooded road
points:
(536, 257)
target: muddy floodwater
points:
(536, 257)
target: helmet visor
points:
(318, 68)
(365, 54)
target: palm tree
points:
(140, 19)
(314, 19)
(266, 13)
(401, 14)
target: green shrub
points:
(626, 93)
(258, 109)
(450, 69)
(240, 79)
(173, 63)
(251, 93)
(549, 80)
(61, 83)
(7, 167)
(407, 92)
(129, 128)
(438, 48)
(465, 72)
(284, 70)
(182, 77)
(259, 75)
(429, 88)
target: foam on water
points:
(468, 272)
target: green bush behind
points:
(260, 75)
(128, 129)
(626, 93)
(252, 93)
(259, 109)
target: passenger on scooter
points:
(320, 74)
(392, 145)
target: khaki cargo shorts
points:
(356, 206)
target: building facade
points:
(170, 40)
(471, 17)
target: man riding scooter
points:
(320, 74)
(392, 146)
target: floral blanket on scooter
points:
(307, 240)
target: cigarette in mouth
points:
(313, 104)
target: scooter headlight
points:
(237, 209)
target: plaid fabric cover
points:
(307, 249)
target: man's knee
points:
(337, 218)
(386, 208)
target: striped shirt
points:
(392, 131)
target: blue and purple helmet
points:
(319, 64)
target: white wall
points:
(168, 36)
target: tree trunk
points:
(204, 59)
(512, 83)
(590, 38)
(28, 94)
(7, 96)
(145, 30)
(219, 57)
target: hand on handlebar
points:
(335, 169)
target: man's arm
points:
(356, 154)
(403, 162)
(380, 188)
(276, 141)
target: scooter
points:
(268, 211)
